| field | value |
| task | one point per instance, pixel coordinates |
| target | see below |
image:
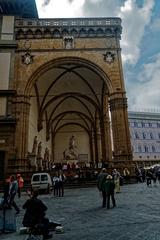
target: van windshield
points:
(36, 178)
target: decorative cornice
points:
(76, 27)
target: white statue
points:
(34, 148)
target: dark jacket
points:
(109, 186)
(35, 212)
(101, 180)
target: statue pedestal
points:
(39, 164)
(75, 161)
(45, 164)
(32, 160)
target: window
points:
(159, 135)
(136, 135)
(146, 148)
(44, 177)
(139, 148)
(153, 148)
(143, 124)
(36, 178)
(144, 135)
(150, 124)
(158, 125)
(135, 124)
(151, 135)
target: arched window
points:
(135, 124)
(136, 135)
(153, 148)
(143, 124)
(139, 148)
(146, 148)
(144, 135)
(158, 125)
(150, 124)
(151, 135)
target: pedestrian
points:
(55, 180)
(108, 187)
(35, 214)
(20, 184)
(149, 177)
(126, 175)
(62, 179)
(101, 179)
(13, 187)
(116, 177)
(6, 185)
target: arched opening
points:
(69, 98)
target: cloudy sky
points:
(140, 41)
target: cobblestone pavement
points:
(136, 217)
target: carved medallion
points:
(27, 58)
(68, 42)
(109, 57)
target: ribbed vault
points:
(69, 94)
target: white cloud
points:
(134, 21)
(145, 92)
(59, 8)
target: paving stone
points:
(136, 217)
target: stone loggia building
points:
(60, 78)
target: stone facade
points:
(67, 74)
(145, 137)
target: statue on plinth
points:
(70, 153)
(39, 157)
(39, 152)
(46, 154)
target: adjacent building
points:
(145, 137)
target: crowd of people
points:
(13, 186)
(108, 183)
(148, 174)
(58, 183)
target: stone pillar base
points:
(32, 161)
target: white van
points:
(41, 181)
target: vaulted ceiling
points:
(69, 94)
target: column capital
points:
(118, 103)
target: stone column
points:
(98, 140)
(107, 131)
(120, 127)
(91, 144)
(21, 107)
